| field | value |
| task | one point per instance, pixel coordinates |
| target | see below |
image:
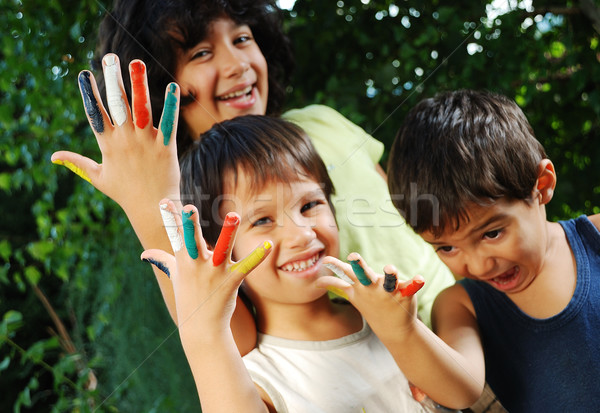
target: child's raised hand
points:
(205, 283)
(386, 304)
(139, 162)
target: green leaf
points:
(5, 250)
(32, 274)
(5, 181)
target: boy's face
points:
(298, 220)
(504, 245)
(225, 75)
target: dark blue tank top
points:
(552, 364)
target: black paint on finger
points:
(158, 265)
(90, 102)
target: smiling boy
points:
(526, 315)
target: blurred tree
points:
(374, 60)
(69, 341)
(83, 326)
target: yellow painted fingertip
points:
(337, 291)
(77, 171)
(252, 260)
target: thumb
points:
(78, 164)
(162, 260)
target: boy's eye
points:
(200, 54)
(492, 234)
(445, 249)
(310, 205)
(261, 221)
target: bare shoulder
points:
(453, 306)
(455, 295)
(453, 320)
(595, 219)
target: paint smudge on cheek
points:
(90, 103)
(252, 260)
(224, 240)
(140, 99)
(168, 116)
(189, 234)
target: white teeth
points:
(301, 265)
(236, 94)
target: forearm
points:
(444, 373)
(222, 381)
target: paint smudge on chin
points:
(168, 116)
(189, 234)
(90, 103)
(140, 99)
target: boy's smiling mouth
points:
(301, 265)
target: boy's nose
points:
(478, 265)
(298, 233)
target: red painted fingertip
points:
(140, 101)
(412, 288)
(220, 252)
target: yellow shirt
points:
(368, 221)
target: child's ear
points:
(546, 182)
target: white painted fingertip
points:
(114, 97)
(339, 272)
(171, 227)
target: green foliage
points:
(83, 327)
(375, 61)
(83, 324)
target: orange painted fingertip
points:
(140, 98)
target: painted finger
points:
(410, 288)
(93, 106)
(168, 215)
(357, 266)
(160, 259)
(113, 80)
(189, 232)
(342, 269)
(170, 114)
(335, 285)
(226, 238)
(389, 282)
(253, 259)
(78, 164)
(339, 272)
(142, 112)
